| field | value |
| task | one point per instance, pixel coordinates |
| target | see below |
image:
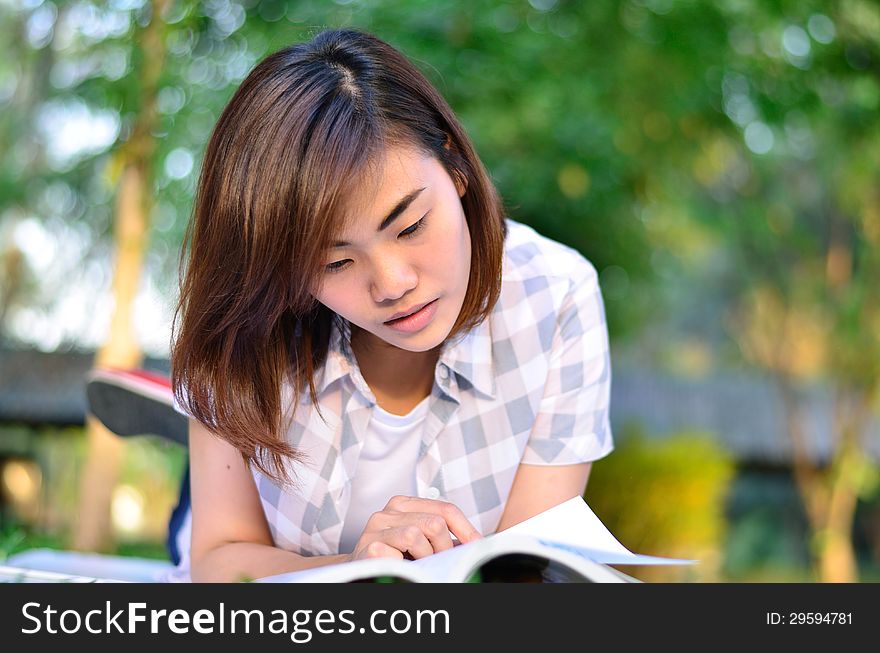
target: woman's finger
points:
(435, 529)
(456, 522)
(408, 539)
(378, 549)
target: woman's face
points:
(407, 246)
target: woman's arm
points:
(245, 561)
(231, 541)
(537, 488)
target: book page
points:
(23, 575)
(351, 571)
(461, 562)
(575, 527)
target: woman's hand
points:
(413, 526)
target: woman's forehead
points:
(384, 181)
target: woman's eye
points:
(336, 266)
(409, 231)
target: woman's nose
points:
(392, 279)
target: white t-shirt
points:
(386, 467)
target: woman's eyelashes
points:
(336, 266)
(412, 229)
(409, 232)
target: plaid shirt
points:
(531, 384)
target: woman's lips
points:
(413, 310)
(415, 322)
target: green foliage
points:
(692, 151)
(16, 537)
(665, 497)
(768, 531)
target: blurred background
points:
(716, 161)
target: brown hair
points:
(278, 168)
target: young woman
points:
(374, 359)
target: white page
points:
(23, 575)
(576, 526)
(345, 571)
(572, 523)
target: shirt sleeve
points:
(572, 425)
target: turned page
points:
(574, 526)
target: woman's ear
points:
(461, 182)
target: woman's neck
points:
(400, 379)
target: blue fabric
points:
(177, 517)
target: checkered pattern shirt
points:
(530, 384)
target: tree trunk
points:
(837, 559)
(12, 267)
(829, 496)
(93, 529)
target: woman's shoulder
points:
(529, 256)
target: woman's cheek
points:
(333, 296)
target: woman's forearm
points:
(245, 561)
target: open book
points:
(567, 543)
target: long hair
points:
(281, 163)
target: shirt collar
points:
(469, 355)
(340, 359)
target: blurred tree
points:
(18, 137)
(761, 181)
(133, 160)
(806, 230)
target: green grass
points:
(15, 538)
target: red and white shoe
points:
(135, 402)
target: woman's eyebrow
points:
(399, 208)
